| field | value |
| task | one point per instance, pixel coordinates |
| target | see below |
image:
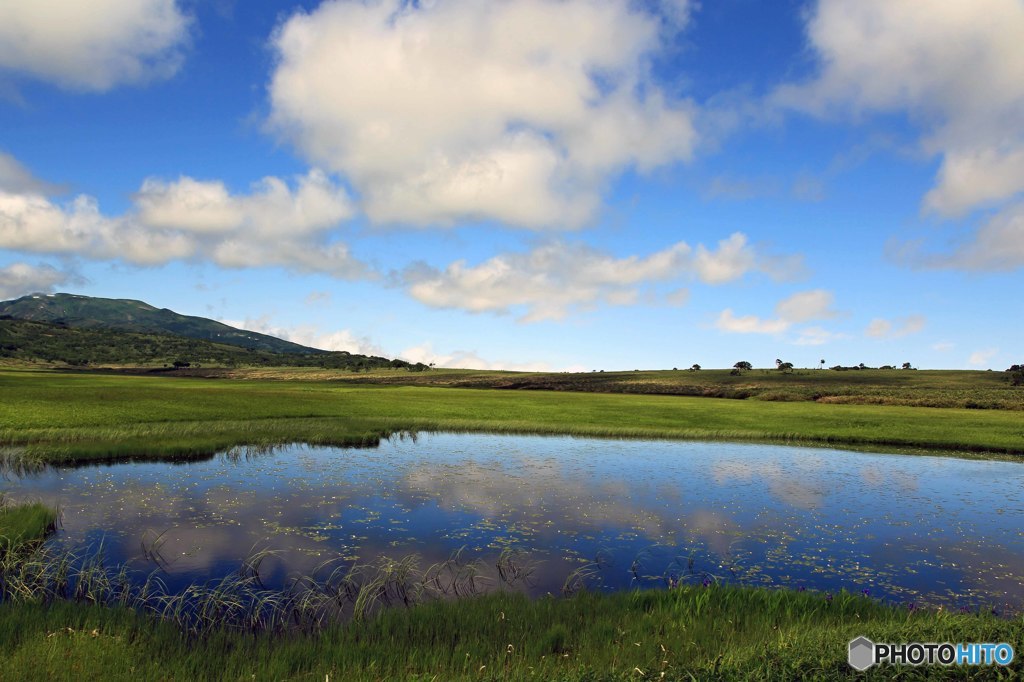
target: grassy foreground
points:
(68, 417)
(687, 633)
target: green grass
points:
(66, 417)
(912, 388)
(689, 633)
(24, 523)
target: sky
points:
(563, 185)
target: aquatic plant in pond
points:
(557, 515)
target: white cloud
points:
(816, 336)
(806, 305)
(880, 328)
(471, 360)
(943, 346)
(957, 68)
(311, 335)
(678, 297)
(802, 306)
(15, 178)
(19, 279)
(733, 259)
(981, 358)
(749, 324)
(274, 224)
(553, 280)
(92, 45)
(317, 297)
(31, 222)
(997, 245)
(188, 204)
(973, 177)
(271, 209)
(519, 112)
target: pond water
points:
(928, 530)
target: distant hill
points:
(88, 312)
(55, 344)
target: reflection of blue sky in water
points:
(927, 529)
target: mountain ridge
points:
(131, 315)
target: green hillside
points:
(87, 312)
(54, 343)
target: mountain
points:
(88, 312)
(35, 342)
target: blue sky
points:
(539, 184)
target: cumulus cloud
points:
(801, 307)
(272, 209)
(982, 358)
(816, 336)
(554, 279)
(806, 305)
(93, 45)
(956, 67)
(880, 328)
(14, 177)
(519, 112)
(19, 279)
(310, 335)
(998, 244)
(188, 219)
(463, 359)
(728, 321)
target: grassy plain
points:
(58, 416)
(969, 389)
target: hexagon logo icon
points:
(862, 653)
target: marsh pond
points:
(574, 512)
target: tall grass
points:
(686, 633)
(22, 524)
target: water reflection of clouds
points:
(575, 502)
(796, 482)
(868, 519)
